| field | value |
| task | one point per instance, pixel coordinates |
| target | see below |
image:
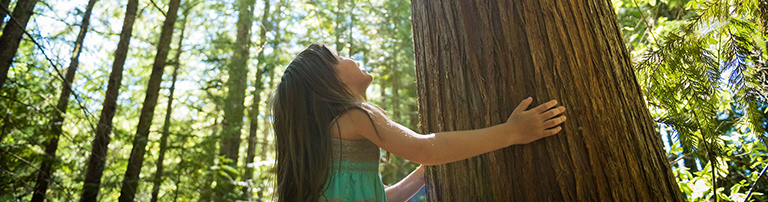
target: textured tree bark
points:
(12, 35)
(104, 128)
(135, 161)
(168, 110)
(61, 108)
(234, 103)
(476, 60)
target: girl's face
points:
(356, 79)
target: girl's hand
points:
(531, 125)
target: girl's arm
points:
(406, 188)
(522, 127)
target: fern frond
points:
(755, 110)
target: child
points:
(328, 137)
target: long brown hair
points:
(307, 100)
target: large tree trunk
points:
(61, 108)
(234, 103)
(168, 109)
(254, 113)
(475, 61)
(131, 179)
(12, 35)
(101, 140)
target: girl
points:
(328, 137)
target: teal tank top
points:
(355, 173)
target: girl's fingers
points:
(552, 132)
(523, 105)
(544, 107)
(553, 112)
(553, 122)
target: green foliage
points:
(702, 68)
(701, 65)
(377, 33)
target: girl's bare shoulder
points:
(351, 122)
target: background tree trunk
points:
(131, 180)
(340, 25)
(690, 163)
(61, 108)
(12, 35)
(167, 122)
(382, 87)
(254, 113)
(104, 128)
(206, 194)
(475, 61)
(234, 103)
(394, 67)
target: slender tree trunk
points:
(5, 4)
(131, 180)
(178, 175)
(12, 35)
(104, 128)
(350, 40)
(382, 88)
(177, 182)
(252, 140)
(475, 61)
(168, 110)
(340, 19)
(254, 113)
(206, 190)
(395, 90)
(57, 120)
(264, 140)
(274, 43)
(394, 74)
(414, 117)
(669, 145)
(6, 123)
(234, 107)
(690, 163)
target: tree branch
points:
(22, 159)
(158, 7)
(754, 184)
